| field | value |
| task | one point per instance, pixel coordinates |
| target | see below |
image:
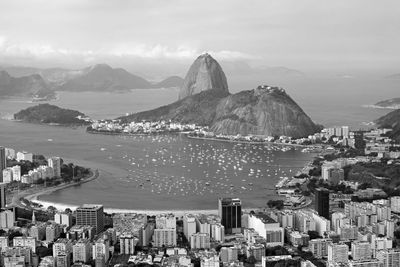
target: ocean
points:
(174, 172)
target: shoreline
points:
(245, 142)
(32, 194)
(150, 212)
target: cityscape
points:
(199, 133)
(311, 227)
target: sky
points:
(169, 34)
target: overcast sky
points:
(298, 34)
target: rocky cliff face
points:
(205, 100)
(204, 74)
(262, 111)
(391, 120)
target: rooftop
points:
(90, 207)
(264, 218)
(230, 201)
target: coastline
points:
(244, 142)
(32, 194)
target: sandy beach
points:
(33, 193)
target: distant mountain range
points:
(101, 77)
(26, 86)
(97, 78)
(204, 99)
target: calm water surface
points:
(174, 172)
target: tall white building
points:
(3, 242)
(338, 253)
(127, 244)
(101, 249)
(166, 221)
(62, 246)
(319, 247)
(212, 261)
(200, 241)
(55, 163)
(267, 228)
(322, 225)
(395, 204)
(202, 225)
(189, 225)
(16, 172)
(82, 251)
(345, 131)
(25, 156)
(63, 219)
(365, 263)
(229, 254)
(53, 231)
(361, 250)
(166, 237)
(7, 175)
(25, 241)
(218, 232)
(7, 219)
(389, 257)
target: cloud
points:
(152, 52)
(231, 55)
(182, 52)
(40, 51)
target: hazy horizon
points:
(160, 38)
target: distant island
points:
(393, 103)
(50, 114)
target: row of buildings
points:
(13, 173)
(143, 127)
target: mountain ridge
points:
(114, 79)
(26, 86)
(391, 120)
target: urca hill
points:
(204, 99)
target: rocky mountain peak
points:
(204, 74)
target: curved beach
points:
(32, 194)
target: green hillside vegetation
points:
(46, 113)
